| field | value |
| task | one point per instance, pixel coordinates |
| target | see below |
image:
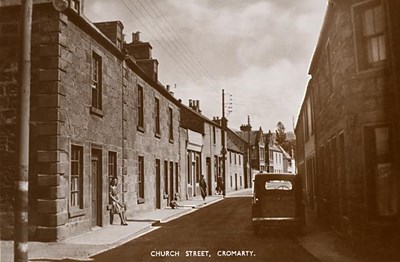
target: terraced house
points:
(348, 130)
(97, 112)
(201, 149)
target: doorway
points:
(96, 186)
(171, 181)
(209, 179)
(236, 181)
(158, 184)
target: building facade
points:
(201, 149)
(348, 128)
(256, 141)
(236, 148)
(96, 107)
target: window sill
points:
(171, 140)
(140, 129)
(76, 213)
(96, 111)
(140, 200)
(371, 72)
(157, 135)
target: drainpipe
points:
(22, 184)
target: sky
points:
(257, 51)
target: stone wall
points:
(346, 101)
(9, 35)
(62, 116)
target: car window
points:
(278, 185)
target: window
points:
(171, 178)
(112, 165)
(240, 159)
(157, 116)
(171, 125)
(141, 176)
(189, 166)
(381, 186)
(76, 197)
(176, 178)
(370, 33)
(278, 185)
(214, 135)
(96, 82)
(198, 167)
(261, 153)
(140, 109)
(216, 168)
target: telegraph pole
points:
(249, 151)
(22, 185)
(223, 122)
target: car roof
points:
(277, 176)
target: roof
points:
(286, 154)
(193, 120)
(254, 136)
(233, 147)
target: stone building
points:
(256, 141)
(348, 133)
(235, 172)
(201, 150)
(97, 111)
(277, 159)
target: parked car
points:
(277, 202)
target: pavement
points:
(319, 240)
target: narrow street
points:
(219, 232)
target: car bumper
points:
(277, 221)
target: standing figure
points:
(117, 207)
(219, 185)
(203, 187)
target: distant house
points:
(236, 149)
(255, 140)
(279, 161)
(288, 162)
(201, 150)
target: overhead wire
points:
(187, 64)
(155, 38)
(180, 41)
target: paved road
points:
(219, 232)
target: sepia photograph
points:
(199, 130)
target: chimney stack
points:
(195, 105)
(136, 37)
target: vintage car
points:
(277, 202)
